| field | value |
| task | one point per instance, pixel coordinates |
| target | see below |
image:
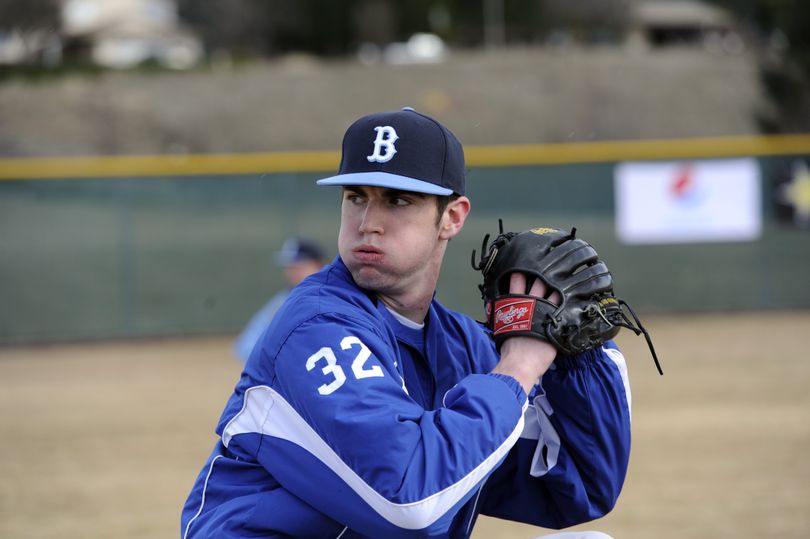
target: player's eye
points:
(399, 201)
(353, 198)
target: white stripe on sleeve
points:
(618, 358)
(266, 412)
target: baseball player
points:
(369, 409)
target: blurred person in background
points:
(299, 258)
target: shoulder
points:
(324, 307)
(330, 292)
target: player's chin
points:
(369, 277)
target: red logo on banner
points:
(513, 315)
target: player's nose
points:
(372, 219)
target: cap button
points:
(408, 109)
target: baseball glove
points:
(588, 313)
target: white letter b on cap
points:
(384, 144)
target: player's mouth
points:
(367, 254)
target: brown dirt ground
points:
(105, 439)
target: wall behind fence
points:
(94, 256)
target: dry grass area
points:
(105, 439)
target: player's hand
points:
(517, 285)
(526, 358)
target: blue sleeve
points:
(571, 460)
(337, 429)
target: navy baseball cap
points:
(296, 250)
(403, 150)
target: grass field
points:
(104, 439)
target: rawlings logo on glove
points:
(588, 313)
(512, 316)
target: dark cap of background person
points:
(403, 150)
(296, 250)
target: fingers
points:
(538, 289)
(517, 285)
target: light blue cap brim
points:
(384, 179)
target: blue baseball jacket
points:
(346, 423)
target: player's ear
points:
(454, 216)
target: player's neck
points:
(413, 309)
(412, 297)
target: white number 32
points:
(334, 370)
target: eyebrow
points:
(361, 190)
(354, 189)
(400, 192)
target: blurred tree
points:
(326, 25)
(783, 26)
(266, 28)
(588, 21)
(337, 27)
(374, 21)
(35, 26)
(28, 15)
(240, 27)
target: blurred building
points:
(126, 33)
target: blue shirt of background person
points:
(299, 258)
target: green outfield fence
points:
(141, 246)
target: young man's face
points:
(389, 239)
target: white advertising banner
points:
(689, 201)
